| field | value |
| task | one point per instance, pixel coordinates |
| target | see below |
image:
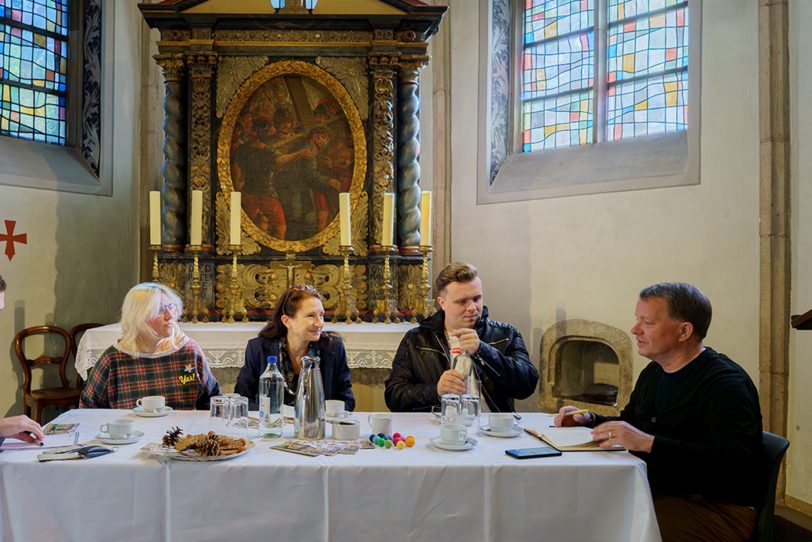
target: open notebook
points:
(570, 439)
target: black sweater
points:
(706, 423)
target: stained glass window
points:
(643, 50)
(34, 69)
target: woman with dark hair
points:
(296, 329)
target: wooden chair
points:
(63, 395)
(775, 446)
(75, 332)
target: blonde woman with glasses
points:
(152, 357)
(296, 329)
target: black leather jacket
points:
(502, 366)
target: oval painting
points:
(294, 142)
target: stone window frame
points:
(83, 164)
(506, 174)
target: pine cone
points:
(210, 446)
(172, 436)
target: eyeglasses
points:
(171, 307)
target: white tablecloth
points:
(416, 494)
(368, 345)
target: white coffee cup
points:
(118, 429)
(151, 403)
(453, 434)
(500, 422)
(334, 408)
(380, 423)
(346, 429)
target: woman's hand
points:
(22, 428)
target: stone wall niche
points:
(586, 364)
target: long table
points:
(416, 494)
(369, 346)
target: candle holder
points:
(196, 285)
(156, 272)
(233, 304)
(384, 307)
(425, 287)
(346, 303)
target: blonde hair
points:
(141, 304)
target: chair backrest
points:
(61, 360)
(775, 446)
(75, 332)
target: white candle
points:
(236, 211)
(425, 219)
(197, 218)
(344, 219)
(154, 217)
(388, 219)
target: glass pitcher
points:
(308, 422)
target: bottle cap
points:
(271, 360)
(456, 350)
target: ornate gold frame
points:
(293, 67)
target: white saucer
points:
(165, 411)
(514, 432)
(438, 443)
(135, 437)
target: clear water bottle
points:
(308, 422)
(469, 401)
(271, 398)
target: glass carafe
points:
(308, 422)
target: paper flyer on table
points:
(57, 435)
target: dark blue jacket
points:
(335, 373)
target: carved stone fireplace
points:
(586, 364)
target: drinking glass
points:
(450, 409)
(219, 412)
(239, 416)
(230, 397)
(470, 409)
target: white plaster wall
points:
(543, 261)
(799, 470)
(81, 255)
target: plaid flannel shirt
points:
(118, 379)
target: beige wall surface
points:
(543, 261)
(81, 253)
(799, 472)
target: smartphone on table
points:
(529, 453)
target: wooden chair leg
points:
(38, 412)
(26, 409)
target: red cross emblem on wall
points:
(10, 238)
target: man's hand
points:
(19, 426)
(628, 436)
(469, 340)
(305, 153)
(451, 381)
(565, 419)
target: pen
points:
(574, 412)
(33, 436)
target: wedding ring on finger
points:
(611, 436)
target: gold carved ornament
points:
(235, 106)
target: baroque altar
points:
(291, 108)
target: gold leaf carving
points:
(293, 36)
(231, 73)
(352, 74)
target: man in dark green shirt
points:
(693, 417)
